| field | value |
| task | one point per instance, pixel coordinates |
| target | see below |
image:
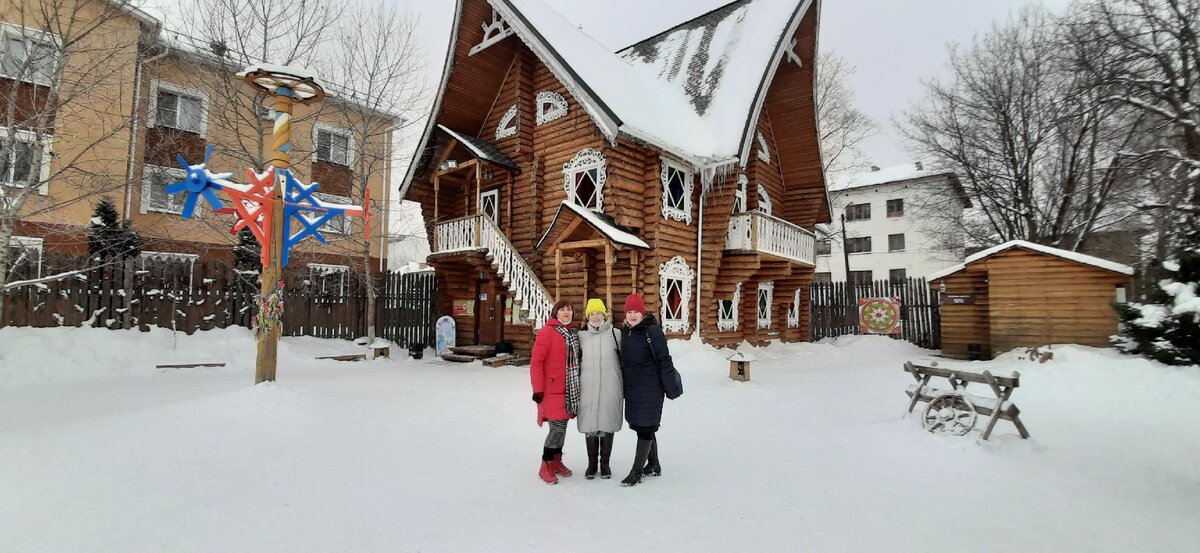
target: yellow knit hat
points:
(594, 305)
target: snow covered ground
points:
(100, 451)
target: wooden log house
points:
(684, 167)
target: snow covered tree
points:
(110, 239)
(247, 256)
(843, 126)
(1167, 327)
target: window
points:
(766, 293)
(764, 153)
(823, 277)
(793, 315)
(895, 208)
(177, 107)
(897, 276)
(858, 245)
(727, 311)
(1122, 294)
(550, 106)
(19, 162)
(895, 242)
(584, 177)
(739, 194)
(154, 190)
(860, 278)
(330, 283)
(764, 200)
(333, 145)
(675, 291)
(508, 124)
(858, 212)
(27, 55)
(824, 247)
(489, 205)
(340, 224)
(677, 185)
(24, 257)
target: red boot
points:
(547, 473)
(558, 466)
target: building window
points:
(739, 194)
(727, 311)
(333, 145)
(489, 205)
(895, 208)
(340, 224)
(24, 257)
(584, 177)
(550, 106)
(858, 245)
(330, 283)
(766, 293)
(823, 278)
(895, 242)
(764, 152)
(675, 291)
(177, 107)
(858, 212)
(1122, 294)
(677, 185)
(155, 180)
(27, 55)
(19, 163)
(860, 278)
(764, 200)
(793, 315)
(897, 276)
(824, 247)
(508, 124)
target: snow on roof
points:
(898, 173)
(742, 356)
(1064, 254)
(481, 148)
(604, 227)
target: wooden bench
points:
(999, 407)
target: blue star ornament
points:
(198, 182)
(300, 199)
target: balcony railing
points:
(758, 232)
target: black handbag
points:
(678, 389)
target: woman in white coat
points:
(600, 386)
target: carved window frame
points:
(508, 125)
(764, 200)
(727, 318)
(681, 210)
(675, 275)
(495, 31)
(588, 159)
(551, 106)
(762, 305)
(793, 316)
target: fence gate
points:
(835, 309)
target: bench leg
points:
(991, 424)
(917, 394)
(1016, 420)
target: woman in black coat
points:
(649, 375)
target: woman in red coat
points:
(554, 372)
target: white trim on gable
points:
(508, 124)
(551, 106)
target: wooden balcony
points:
(754, 232)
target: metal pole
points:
(281, 138)
(845, 249)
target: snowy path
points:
(812, 455)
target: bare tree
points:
(65, 77)
(841, 124)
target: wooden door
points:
(488, 315)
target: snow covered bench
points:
(955, 407)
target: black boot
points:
(593, 450)
(605, 453)
(652, 466)
(639, 461)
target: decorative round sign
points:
(879, 315)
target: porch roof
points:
(597, 221)
(481, 148)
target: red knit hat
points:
(635, 303)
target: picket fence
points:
(835, 309)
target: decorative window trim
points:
(764, 151)
(551, 106)
(683, 213)
(675, 272)
(176, 173)
(28, 243)
(337, 131)
(508, 124)
(767, 289)
(152, 114)
(764, 199)
(30, 137)
(793, 315)
(587, 159)
(739, 194)
(791, 54)
(729, 321)
(27, 34)
(331, 225)
(493, 32)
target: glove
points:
(537, 398)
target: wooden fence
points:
(187, 296)
(835, 309)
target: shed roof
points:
(1064, 254)
(599, 221)
(481, 148)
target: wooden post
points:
(608, 263)
(479, 187)
(268, 347)
(557, 272)
(437, 190)
(586, 268)
(633, 263)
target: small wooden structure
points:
(739, 366)
(1021, 294)
(954, 411)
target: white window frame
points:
(152, 115)
(739, 194)
(508, 125)
(793, 315)
(765, 290)
(586, 160)
(25, 34)
(28, 243)
(177, 174)
(675, 275)
(494, 197)
(331, 225)
(338, 131)
(684, 212)
(764, 151)
(764, 200)
(318, 274)
(43, 174)
(551, 106)
(189, 258)
(728, 320)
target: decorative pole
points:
(288, 86)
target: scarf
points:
(573, 354)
